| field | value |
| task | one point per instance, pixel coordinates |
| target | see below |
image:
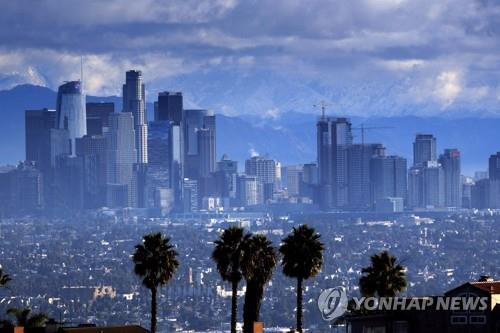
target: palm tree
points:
(26, 319)
(384, 277)
(259, 260)
(155, 262)
(228, 255)
(4, 278)
(302, 253)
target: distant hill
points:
(290, 137)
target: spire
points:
(81, 72)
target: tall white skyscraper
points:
(121, 156)
(71, 113)
(134, 101)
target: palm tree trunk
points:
(234, 305)
(247, 308)
(251, 308)
(299, 304)
(153, 310)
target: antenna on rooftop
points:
(81, 72)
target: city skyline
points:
(108, 167)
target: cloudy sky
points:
(435, 55)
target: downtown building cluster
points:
(362, 177)
(89, 155)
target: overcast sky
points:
(445, 51)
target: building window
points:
(478, 320)
(458, 320)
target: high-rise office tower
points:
(433, 185)
(424, 149)
(92, 151)
(387, 178)
(426, 178)
(359, 157)
(44, 145)
(415, 188)
(309, 186)
(334, 137)
(494, 166)
(169, 107)
(97, 117)
(69, 183)
(71, 113)
(225, 176)
(265, 170)
(36, 124)
(134, 101)
(450, 162)
(199, 143)
(206, 146)
(294, 179)
(176, 157)
(25, 189)
(190, 198)
(159, 165)
(248, 190)
(121, 157)
(467, 185)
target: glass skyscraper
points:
(134, 101)
(334, 137)
(71, 113)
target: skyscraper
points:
(265, 171)
(169, 107)
(359, 157)
(71, 113)
(92, 151)
(226, 174)
(121, 157)
(334, 136)
(387, 178)
(450, 162)
(424, 149)
(159, 164)
(134, 101)
(199, 143)
(433, 185)
(426, 187)
(494, 166)
(248, 190)
(36, 125)
(294, 179)
(97, 117)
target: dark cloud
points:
(446, 51)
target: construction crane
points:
(323, 106)
(362, 128)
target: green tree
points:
(384, 277)
(27, 319)
(4, 278)
(302, 258)
(259, 260)
(228, 255)
(156, 263)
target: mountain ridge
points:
(289, 137)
